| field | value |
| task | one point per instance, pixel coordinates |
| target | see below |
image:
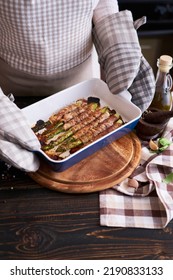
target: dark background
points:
(156, 36)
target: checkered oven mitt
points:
(17, 139)
(120, 57)
(150, 205)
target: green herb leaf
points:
(163, 144)
(164, 141)
(161, 149)
(168, 179)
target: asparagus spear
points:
(53, 144)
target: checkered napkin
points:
(151, 204)
(17, 140)
(116, 41)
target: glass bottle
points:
(163, 97)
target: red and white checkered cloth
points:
(151, 204)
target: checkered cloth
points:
(17, 140)
(46, 37)
(120, 56)
(151, 204)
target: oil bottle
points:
(163, 97)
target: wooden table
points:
(38, 223)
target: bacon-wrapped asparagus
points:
(76, 126)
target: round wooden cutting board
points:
(104, 169)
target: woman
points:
(47, 45)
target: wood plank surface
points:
(39, 223)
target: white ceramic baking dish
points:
(43, 109)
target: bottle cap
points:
(165, 63)
(165, 60)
